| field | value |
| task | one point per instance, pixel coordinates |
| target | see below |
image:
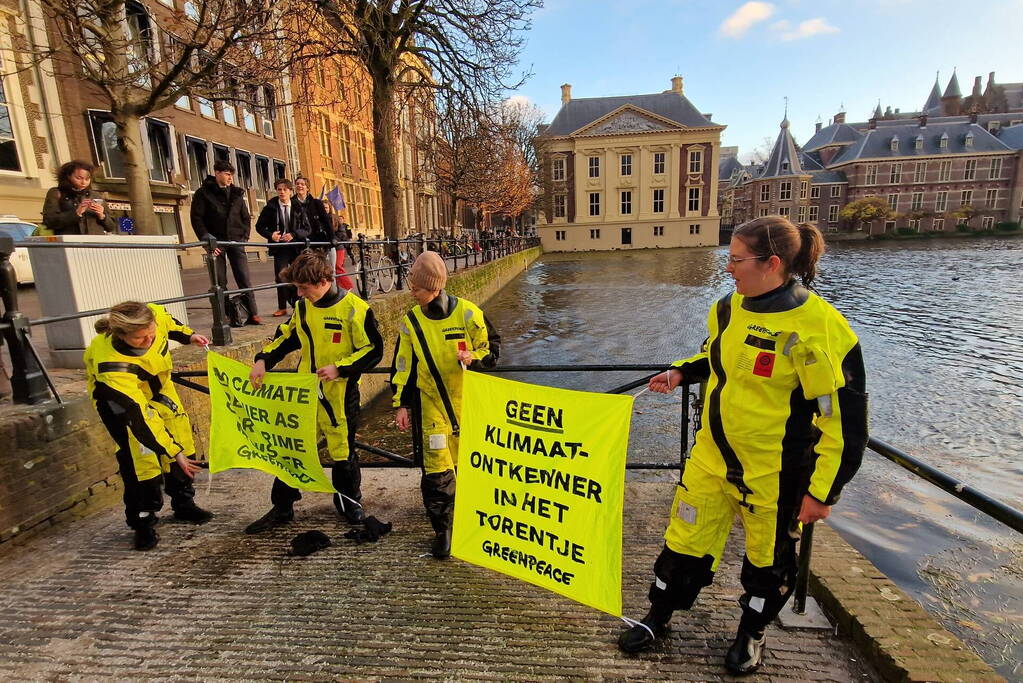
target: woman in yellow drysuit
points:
(783, 429)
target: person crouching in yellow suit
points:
(437, 340)
(128, 372)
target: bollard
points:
(28, 383)
(220, 333)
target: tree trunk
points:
(387, 167)
(136, 172)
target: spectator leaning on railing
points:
(220, 209)
(70, 208)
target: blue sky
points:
(740, 59)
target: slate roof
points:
(727, 167)
(811, 161)
(952, 90)
(876, 144)
(1012, 137)
(933, 104)
(824, 177)
(577, 113)
(784, 159)
(836, 133)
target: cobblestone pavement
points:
(212, 603)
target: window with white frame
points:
(658, 163)
(987, 222)
(9, 160)
(894, 144)
(803, 185)
(913, 224)
(893, 201)
(784, 211)
(183, 102)
(694, 199)
(896, 174)
(626, 164)
(916, 201)
(833, 213)
(595, 233)
(765, 192)
(992, 198)
(941, 201)
(658, 200)
(970, 170)
(918, 142)
(938, 224)
(943, 142)
(696, 161)
(160, 157)
(785, 190)
(802, 214)
(815, 191)
(658, 231)
(763, 212)
(871, 175)
(965, 197)
(560, 202)
(945, 171)
(969, 140)
(594, 167)
(559, 235)
(996, 169)
(920, 172)
(324, 135)
(694, 228)
(626, 202)
(243, 169)
(594, 203)
(104, 134)
(558, 169)
(206, 108)
(268, 109)
(814, 212)
(836, 191)
(197, 155)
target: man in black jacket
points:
(220, 209)
(281, 220)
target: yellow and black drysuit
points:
(338, 330)
(427, 379)
(132, 391)
(784, 416)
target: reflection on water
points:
(942, 335)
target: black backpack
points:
(237, 309)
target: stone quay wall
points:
(57, 460)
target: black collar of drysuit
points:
(333, 295)
(784, 298)
(441, 306)
(126, 349)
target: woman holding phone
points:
(71, 209)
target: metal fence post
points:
(363, 275)
(28, 383)
(422, 242)
(221, 332)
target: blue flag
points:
(336, 199)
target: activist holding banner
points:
(783, 429)
(437, 340)
(337, 335)
(128, 373)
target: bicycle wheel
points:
(385, 274)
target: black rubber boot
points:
(146, 538)
(271, 520)
(441, 546)
(190, 512)
(439, 499)
(746, 653)
(347, 479)
(643, 637)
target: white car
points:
(12, 226)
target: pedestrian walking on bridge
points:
(783, 429)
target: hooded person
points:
(441, 337)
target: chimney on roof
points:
(923, 121)
(872, 123)
(676, 85)
(566, 94)
(840, 117)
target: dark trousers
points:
(283, 256)
(240, 268)
(145, 496)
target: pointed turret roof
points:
(953, 87)
(934, 99)
(784, 158)
(877, 110)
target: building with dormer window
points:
(630, 172)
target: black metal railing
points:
(380, 266)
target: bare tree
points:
(465, 51)
(215, 49)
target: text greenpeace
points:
(540, 485)
(272, 428)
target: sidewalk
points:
(211, 603)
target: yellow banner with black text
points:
(272, 428)
(541, 484)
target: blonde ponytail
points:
(125, 318)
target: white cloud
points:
(518, 101)
(744, 18)
(806, 29)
